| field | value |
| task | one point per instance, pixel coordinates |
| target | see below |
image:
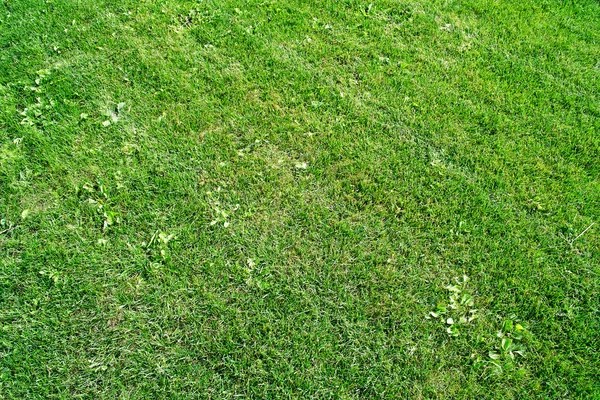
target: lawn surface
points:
(281, 199)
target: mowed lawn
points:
(299, 199)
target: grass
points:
(273, 199)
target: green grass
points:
(326, 169)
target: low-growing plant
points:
(508, 352)
(458, 310)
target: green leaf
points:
(452, 330)
(467, 300)
(506, 344)
(453, 288)
(520, 352)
